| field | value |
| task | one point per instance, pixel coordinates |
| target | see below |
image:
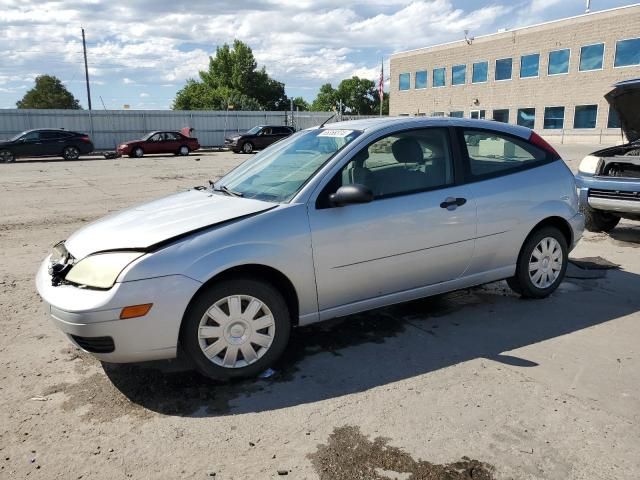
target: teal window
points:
(559, 62)
(480, 72)
(627, 53)
(439, 75)
(504, 66)
(614, 120)
(553, 118)
(421, 79)
(458, 74)
(405, 81)
(591, 57)
(585, 116)
(526, 117)
(457, 114)
(529, 65)
(501, 115)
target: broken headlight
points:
(101, 270)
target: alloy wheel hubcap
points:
(247, 147)
(236, 331)
(545, 263)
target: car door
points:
(267, 137)
(154, 144)
(170, 143)
(52, 142)
(419, 230)
(29, 145)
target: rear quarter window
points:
(493, 153)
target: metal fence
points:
(110, 127)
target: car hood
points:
(625, 100)
(153, 223)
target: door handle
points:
(451, 203)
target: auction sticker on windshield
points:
(335, 133)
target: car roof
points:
(379, 123)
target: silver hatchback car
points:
(327, 222)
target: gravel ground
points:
(476, 384)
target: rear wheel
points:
(236, 328)
(541, 265)
(138, 152)
(598, 221)
(6, 156)
(71, 153)
(184, 150)
(247, 147)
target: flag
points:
(381, 82)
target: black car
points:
(257, 138)
(45, 143)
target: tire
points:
(137, 152)
(247, 147)
(598, 221)
(71, 153)
(237, 334)
(183, 151)
(526, 281)
(7, 156)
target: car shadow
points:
(628, 233)
(383, 346)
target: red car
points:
(159, 142)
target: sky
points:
(141, 52)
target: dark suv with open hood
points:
(257, 138)
(608, 180)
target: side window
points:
(156, 138)
(168, 136)
(402, 163)
(492, 153)
(31, 137)
(51, 135)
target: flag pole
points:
(381, 85)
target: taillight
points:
(540, 142)
(85, 138)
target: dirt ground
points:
(476, 384)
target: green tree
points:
(358, 95)
(233, 77)
(48, 92)
(301, 104)
(326, 100)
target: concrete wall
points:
(568, 90)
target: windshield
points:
(254, 130)
(16, 137)
(279, 172)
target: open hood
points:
(152, 223)
(625, 100)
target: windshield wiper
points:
(224, 189)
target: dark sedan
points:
(46, 143)
(159, 142)
(257, 138)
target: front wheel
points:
(598, 221)
(6, 156)
(236, 328)
(541, 265)
(71, 153)
(247, 147)
(138, 152)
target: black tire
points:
(598, 221)
(522, 282)
(247, 147)
(189, 332)
(71, 153)
(7, 156)
(137, 152)
(183, 150)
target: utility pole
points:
(86, 69)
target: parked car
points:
(159, 142)
(608, 180)
(328, 222)
(46, 142)
(257, 138)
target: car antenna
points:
(322, 124)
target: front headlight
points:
(589, 164)
(102, 269)
(123, 146)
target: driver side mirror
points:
(350, 194)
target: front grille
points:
(614, 194)
(95, 344)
